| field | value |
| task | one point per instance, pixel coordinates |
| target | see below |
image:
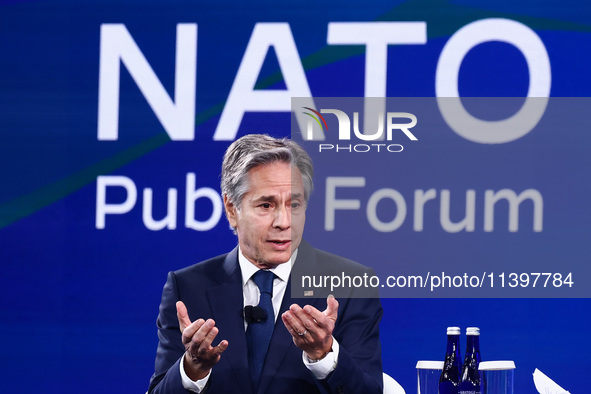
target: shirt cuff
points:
(192, 385)
(322, 368)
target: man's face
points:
(271, 218)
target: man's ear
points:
(230, 211)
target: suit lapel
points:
(226, 305)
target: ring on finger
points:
(303, 333)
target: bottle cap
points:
(472, 331)
(453, 330)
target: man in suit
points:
(325, 346)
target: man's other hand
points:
(198, 336)
(311, 329)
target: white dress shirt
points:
(251, 294)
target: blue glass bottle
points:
(470, 382)
(450, 375)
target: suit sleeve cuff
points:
(322, 368)
(192, 385)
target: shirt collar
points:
(248, 269)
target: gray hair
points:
(254, 150)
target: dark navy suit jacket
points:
(213, 289)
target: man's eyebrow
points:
(266, 198)
(273, 198)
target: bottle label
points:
(448, 387)
(469, 388)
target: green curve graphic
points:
(431, 11)
(315, 118)
(28, 204)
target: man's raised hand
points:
(311, 329)
(198, 336)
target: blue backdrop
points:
(83, 262)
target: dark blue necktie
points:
(258, 334)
